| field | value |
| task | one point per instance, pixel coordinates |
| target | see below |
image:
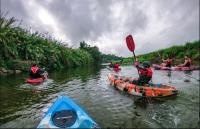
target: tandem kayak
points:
(158, 67)
(35, 81)
(151, 90)
(65, 113)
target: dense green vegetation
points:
(94, 51)
(19, 48)
(177, 53)
(106, 58)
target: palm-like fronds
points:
(22, 45)
(4, 23)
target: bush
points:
(19, 44)
(176, 52)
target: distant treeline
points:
(177, 53)
(107, 58)
(20, 48)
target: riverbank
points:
(21, 48)
(177, 53)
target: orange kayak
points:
(151, 90)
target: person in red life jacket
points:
(116, 65)
(35, 72)
(187, 62)
(167, 62)
(145, 73)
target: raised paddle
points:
(130, 44)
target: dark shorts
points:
(36, 75)
(142, 81)
(187, 65)
(168, 65)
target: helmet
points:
(146, 64)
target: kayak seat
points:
(64, 118)
(154, 85)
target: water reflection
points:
(169, 74)
(23, 105)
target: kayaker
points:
(187, 62)
(145, 73)
(167, 62)
(116, 65)
(35, 71)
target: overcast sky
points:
(154, 24)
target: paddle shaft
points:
(135, 60)
(134, 55)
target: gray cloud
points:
(154, 24)
(14, 8)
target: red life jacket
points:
(168, 62)
(189, 62)
(148, 72)
(116, 65)
(34, 69)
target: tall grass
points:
(191, 49)
(20, 45)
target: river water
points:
(23, 105)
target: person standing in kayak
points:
(187, 62)
(167, 62)
(145, 73)
(35, 72)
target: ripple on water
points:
(106, 105)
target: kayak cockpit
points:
(64, 118)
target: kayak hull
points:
(64, 103)
(36, 81)
(158, 67)
(152, 91)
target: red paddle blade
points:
(130, 43)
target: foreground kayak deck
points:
(65, 113)
(158, 67)
(153, 91)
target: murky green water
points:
(23, 105)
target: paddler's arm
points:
(137, 65)
(164, 60)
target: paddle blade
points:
(130, 43)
